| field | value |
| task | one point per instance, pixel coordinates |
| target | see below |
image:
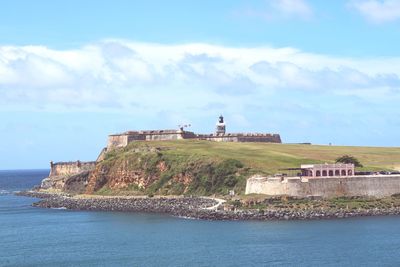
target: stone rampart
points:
(371, 185)
(70, 168)
(68, 176)
(241, 137)
(168, 135)
(123, 139)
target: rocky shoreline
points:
(194, 207)
(177, 206)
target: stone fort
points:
(220, 135)
(62, 170)
(325, 181)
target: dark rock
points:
(192, 207)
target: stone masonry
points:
(325, 187)
(123, 139)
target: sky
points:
(72, 72)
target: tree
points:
(349, 159)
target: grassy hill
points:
(269, 158)
(204, 167)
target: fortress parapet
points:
(242, 137)
(123, 139)
(66, 176)
(70, 168)
(220, 135)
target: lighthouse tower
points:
(220, 127)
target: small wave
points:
(60, 208)
(5, 192)
(186, 217)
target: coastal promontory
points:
(203, 179)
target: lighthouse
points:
(220, 126)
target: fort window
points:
(327, 170)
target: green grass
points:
(269, 158)
(217, 167)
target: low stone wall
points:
(239, 137)
(70, 168)
(166, 136)
(373, 185)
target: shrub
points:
(349, 159)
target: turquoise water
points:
(49, 237)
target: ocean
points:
(55, 237)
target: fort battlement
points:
(242, 137)
(220, 135)
(70, 168)
(123, 139)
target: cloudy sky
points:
(314, 71)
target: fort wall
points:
(70, 168)
(242, 137)
(123, 139)
(371, 185)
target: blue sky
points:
(73, 72)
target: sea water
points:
(55, 237)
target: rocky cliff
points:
(148, 168)
(72, 183)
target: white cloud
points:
(378, 11)
(293, 8)
(281, 9)
(123, 75)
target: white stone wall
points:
(115, 141)
(70, 168)
(377, 186)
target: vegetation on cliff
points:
(161, 168)
(205, 168)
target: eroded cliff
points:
(144, 168)
(150, 169)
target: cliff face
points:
(142, 168)
(75, 183)
(148, 168)
(68, 177)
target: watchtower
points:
(220, 127)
